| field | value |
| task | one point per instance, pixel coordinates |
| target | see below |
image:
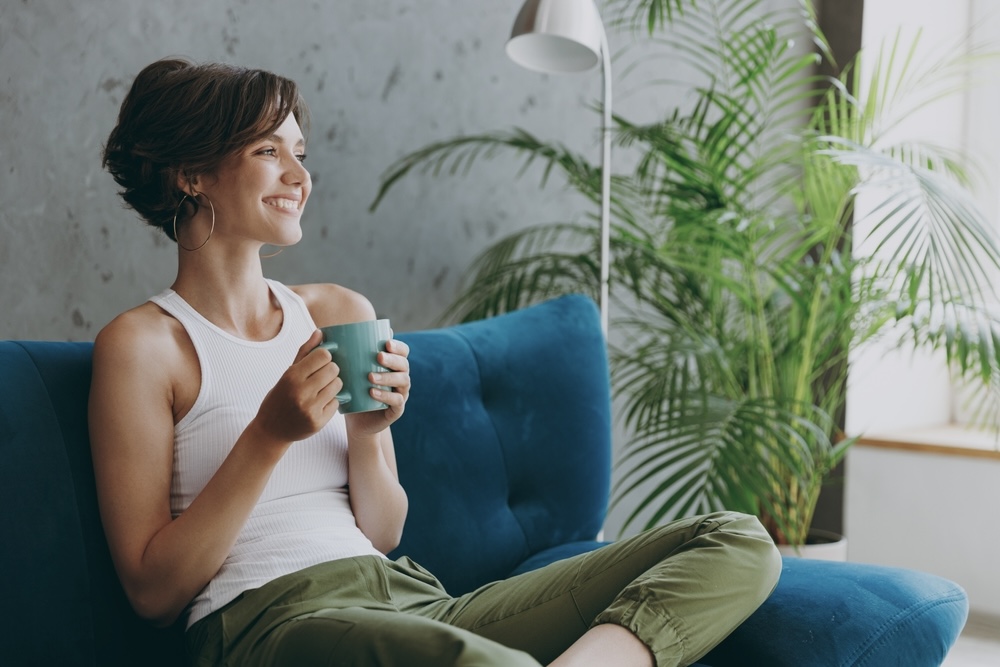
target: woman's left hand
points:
(394, 357)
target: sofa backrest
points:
(504, 450)
(505, 446)
(61, 600)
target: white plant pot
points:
(820, 545)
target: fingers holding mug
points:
(360, 348)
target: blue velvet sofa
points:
(505, 453)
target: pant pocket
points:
(319, 639)
(414, 570)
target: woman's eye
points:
(301, 157)
(267, 151)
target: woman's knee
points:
(750, 547)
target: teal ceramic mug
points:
(354, 348)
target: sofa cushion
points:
(488, 414)
(848, 615)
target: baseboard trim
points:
(983, 621)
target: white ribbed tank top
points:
(304, 515)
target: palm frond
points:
(697, 457)
(924, 218)
(457, 156)
(520, 270)
(645, 15)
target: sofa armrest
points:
(833, 614)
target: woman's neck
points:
(232, 294)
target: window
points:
(898, 394)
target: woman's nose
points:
(296, 172)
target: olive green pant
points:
(680, 589)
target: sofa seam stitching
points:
(496, 432)
(892, 626)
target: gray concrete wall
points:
(381, 78)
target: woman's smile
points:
(282, 203)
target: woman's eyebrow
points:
(279, 139)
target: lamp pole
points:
(559, 36)
(605, 181)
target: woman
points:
(234, 494)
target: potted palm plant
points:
(737, 294)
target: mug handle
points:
(343, 397)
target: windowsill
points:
(949, 439)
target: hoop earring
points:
(273, 254)
(177, 210)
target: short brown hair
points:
(183, 119)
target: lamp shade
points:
(557, 36)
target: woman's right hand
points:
(305, 397)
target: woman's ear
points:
(186, 183)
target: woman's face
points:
(260, 192)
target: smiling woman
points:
(236, 496)
(187, 450)
(265, 183)
(181, 121)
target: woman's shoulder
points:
(331, 304)
(145, 331)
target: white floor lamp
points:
(558, 36)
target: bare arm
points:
(377, 499)
(164, 563)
